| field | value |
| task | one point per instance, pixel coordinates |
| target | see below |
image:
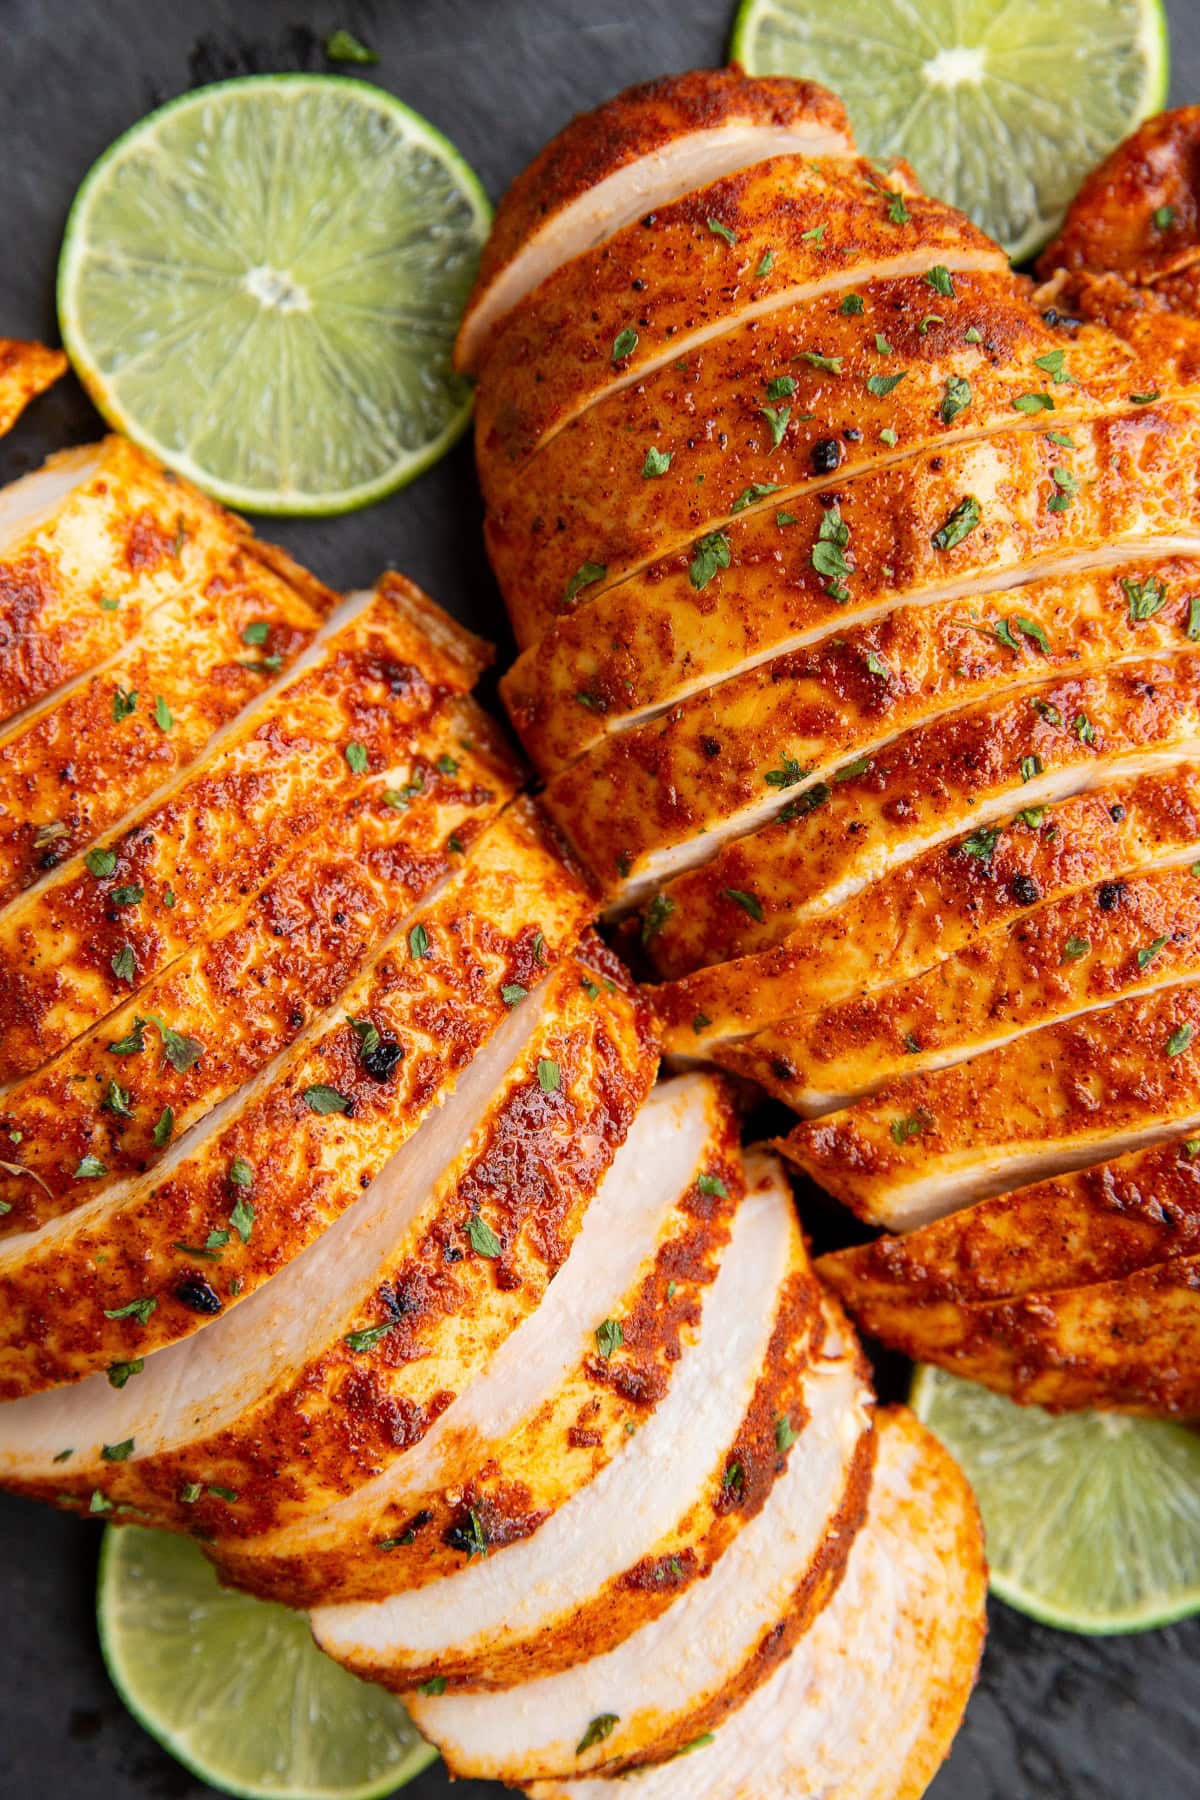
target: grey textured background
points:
(1055, 1717)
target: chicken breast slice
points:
(71, 766)
(867, 1705)
(241, 995)
(681, 1674)
(1076, 956)
(26, 370)
(354, 704)
(919, 913)
(656, 641)
(1054, 1099)
(966, 773)
(90, 544)
(639, 151)
(1074, 1230)
(334, 1369)
(669, 792)
(624, 1548)
(552, 1409)
(131, 1271)
(767, 237)
(798, 401)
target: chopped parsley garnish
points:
(1145, 597)
(356, 757)
(1054, 364)
(712, 1185)
(888, 436)
(240, 1173)
(163, 716)
(914, 1125)
(785, 1435)
(101, 863)
(1076, 948)
(344, 47)
(135, 1309)
(852, 304)
(624, 344)
(709, 554)
(512, 993)
(584, 576)
(852, 770)
(882, 344)
(929, 320)
(90, 1169)
(322, 1099)
(1145, 399)
(418, 943)
(121, 1372)
(955, 400)
(1164, 218)
(1148, 952)
(959, 525)
(747, 902)
(828, 554)
(657, 463)
(601, 1727)
(974, 335)
(733, 1481)
(124, 703)
(131, 894)
(548, 1074)
(1192, 628)
(256, 633)
(1179, 1040)
(877, 666)
(609, 1337)
(777, 418)
(941, 281)
(116, 1100)
(434, 1686)
(123, 964)
(981, 844)
(1067, 487)
(722, 231)
(1030, 766)
(366, 1033)
(766, 263)
(781, 387)
(750, 496)
(1033, 403)
(1005, 630)
(164, 1127)
(813, 236)
(832, 365)
(787, 775)
(656, 916)
(1083, 728)
(881, 385)
(117, 1453)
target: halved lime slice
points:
(235, 1688)
(260, 283)
(1001, 108)
(1092, 1519)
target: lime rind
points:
(1092, 1519)
(1001, 110)
(369, 393)
(199, 1666)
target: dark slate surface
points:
(1055, 1717)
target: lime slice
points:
(1002, 109)
(236, 1689)
(261, 282)
(1092, 1519)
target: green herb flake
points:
(1179, 1040)
(750, 496)
(164, 1127)
(1033, 403)
(747, 902)
(1145, 399)
(882, 385)
(710, 554)
(882, 345)
(851, 305)
(1076, 948)
(828, 554)
(713, 1186)
(722, 231)
(888, 436)
(913, 1125)
(356, 757)
(656, 916)
(1192, 628)
(601, 1727)
(624, 344)
(1030, 766)
(134, 1309)
(609, 1337)
(101, 863)
(781, 387)
(242, 1218)
(131, 894)
(1083, 728)
(548, 1074)
(90, 1169)
(787, 775)
(123, 965)
(657, 463)
(777, 418)
(960, 524)
(164, 718)
(124, 704)
(344, 47)
(955, 400)
(117, 1453)
(1148, 952)
(1054, 364)
(929, 320)
(322, 1099)
(785, 1434)
(832, 365)
(433, 1687)
(585, 575)
(116, 1100)
(418, 943)
(1145, 597)
(814, 236)
(766, 263)
(981, 844)
(121, 1372)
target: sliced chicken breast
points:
(969, 772)
(1074, 1230)
(921, 912)
(866, 1706)
(26, 370)
(89, 545)
(242, 994)
(680, 1675)
(352, 707)
(769, 236)
(640, 151)
(1054, 1099)
(338, 1366)
(748, 418)
(1062, 960)
(656, 1519)
(130, 1271)
(656, 642)
(70, 767)
(735, 755)
(556, 1404)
